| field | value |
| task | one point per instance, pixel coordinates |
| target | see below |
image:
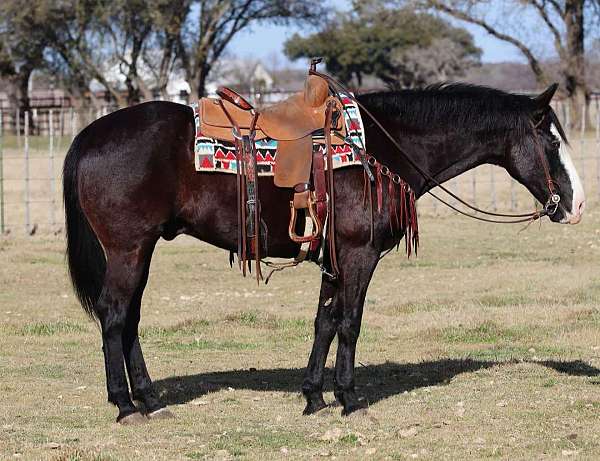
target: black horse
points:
(129, 180)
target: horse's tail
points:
(87, 263)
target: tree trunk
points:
(166, 65)
(24, 76)
(574, 64)
(18, 95)
(201, 79)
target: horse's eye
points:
(556, 142)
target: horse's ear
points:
(543, 100)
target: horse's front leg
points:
(326, 322)
(358, 266)
(340, 310)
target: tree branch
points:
(463, 16)
(557, 37)
(556, 6)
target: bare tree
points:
(443, 60)
(119, 43)
(104, 41)
(564, 20)
(215, 22)
(161, 57)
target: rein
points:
(550, 206)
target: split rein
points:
(550, 206)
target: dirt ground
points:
(485, 346)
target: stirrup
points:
(317, 226)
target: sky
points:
(269, 39)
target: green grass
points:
(503, 300)
(83, 455)
(207, 345)
(187, 327)
(350, 439)
(237, 443)
(486, 332)
(37, 144)
(50, 329)
(36, 371)
(503, 353)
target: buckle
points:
(552, 204)
(301, 187)
(331, 276)
(236, 134)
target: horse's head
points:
(542, 163)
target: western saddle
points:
(302, 125)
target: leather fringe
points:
(402, 208)
(379, 186)
(368, 191)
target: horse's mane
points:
(451, 105)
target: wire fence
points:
(31, 159)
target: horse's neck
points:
(456, 156)
(443, 156)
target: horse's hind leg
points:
(139, 379)
(124, 271)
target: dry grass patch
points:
(485, 346)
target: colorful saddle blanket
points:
(213, 155)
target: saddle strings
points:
(526, 217)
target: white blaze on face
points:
(573, 214)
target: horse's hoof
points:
(161, 413)
(358, 409)
(134, 419)
(312, 408)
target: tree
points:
(160, 57)
(399, 46)
(119, 43)
(22, 45)
(104, 41)
(564, 20)
(209, 30)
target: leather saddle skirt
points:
(291, 123)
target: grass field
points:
(485, 346)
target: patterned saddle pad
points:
(213, 155)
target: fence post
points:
(513, 199)
(474, 186)
(493, 187)
(1, 175)
(18, 127)
(35, 129)
(598, 143)
(26, 136)
(62, 121)
(452, 186)
(51, 170)
(582, 145)
(75, 122)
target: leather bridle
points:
(550, 207)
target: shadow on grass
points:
(376, 382)
(573, 368)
